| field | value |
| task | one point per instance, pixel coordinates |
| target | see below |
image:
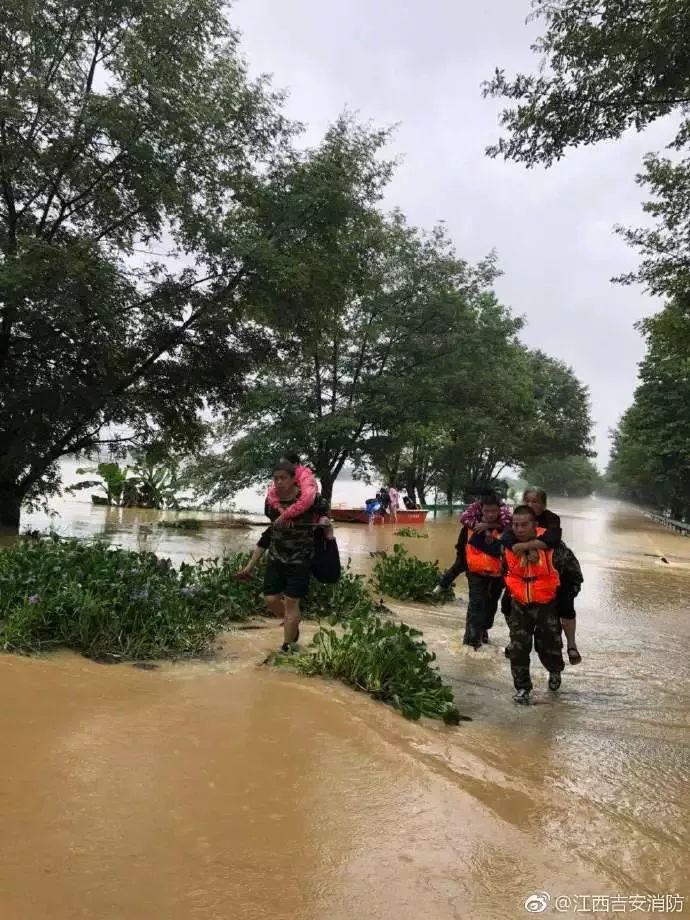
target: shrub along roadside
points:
(114, 604)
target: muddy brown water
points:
(222, 790)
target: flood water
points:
(222, 790)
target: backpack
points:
(568, 567)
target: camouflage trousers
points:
(484, 594)
(542, 622)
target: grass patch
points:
(400, 575)
(389, 661)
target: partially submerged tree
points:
(126, 128)
(609, 66)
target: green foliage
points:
(606, 66)
(650, 460)
(127, 128)
(400, 575)
(107, 602)
(111, 603)
(572, 476)
(411, 532)
(348, 599)
(611, 65)
(151, 482)
(183, 524)
(387, 660)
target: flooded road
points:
(222, 789)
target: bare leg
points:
(275, 604)
(569, 630)
(292, 618)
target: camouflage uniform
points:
(542, 622)
(290, 551)
(294, 545)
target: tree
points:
(572, 476)
(607, 66)
(124, 125)
(358, 303)
(650, 459)
(612, 65)
(504, 407)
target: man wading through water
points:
(532, 582)
(484, 574)
(290, 551)
(536, 499)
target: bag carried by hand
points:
(325, 566)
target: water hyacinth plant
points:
(388, 660)
(400, 575)
(112, 603)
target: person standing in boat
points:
(394, 498)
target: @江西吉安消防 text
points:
(540, 901)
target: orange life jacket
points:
(479, 562)
(531, 582)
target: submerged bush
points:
(182, 524)
(113, 603)
(346, 600)
(400, 575)
(388, 660)
(411, 532)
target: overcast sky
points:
(420, 65)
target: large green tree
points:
(650, 460)
(606, 66)
(130, 136)
(366, 313)
(609, 66)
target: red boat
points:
(359, 516)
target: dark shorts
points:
(292, 580)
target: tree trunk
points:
(327, 482)
(10, 506)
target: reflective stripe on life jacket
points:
(479, 562)
(531, 582)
